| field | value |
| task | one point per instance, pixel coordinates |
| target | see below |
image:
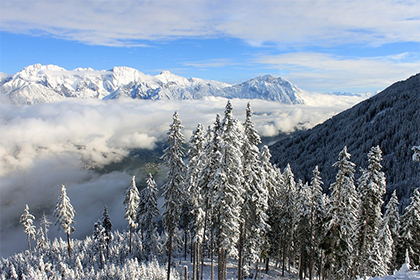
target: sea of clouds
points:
(46, 145)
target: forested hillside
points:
(390, 119)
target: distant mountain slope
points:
(390, 119)
(49, 83)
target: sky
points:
(319, 45)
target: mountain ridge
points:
(390, 119)
(50, 83)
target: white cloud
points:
(46, 145)
(118, 23)
(326, 72)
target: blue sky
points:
(322, 45)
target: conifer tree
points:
(107, 224)
(46, 224)
(317, 220)
(210, 161)
(198, 143)
(384, 250)
(100, 238)
(41, 242)
(64, 212)
(392, 220)
(228, 182)
(287, 216)
(303, 226)
(27, 220)
(148, 217)
(173, 189)
(131, 204)
(410, 230)
(371, 189)
(273, 180)
(343, 215)
(255, 206)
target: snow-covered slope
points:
(49, 83)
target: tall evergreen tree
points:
(173, 189)
(303, 226)
(64, 212)
(317, 220)
(196, 200)
(274, 181)
(343, 215)
(131, 205)
(371, 189)
(255, 206)
(27, 220)
(209, 162)
(107, 224)
(392, 220)
(148, 217)
(100, 239)
(383, 248)
(287, 216)
(227, 182)
(46, 224)
(410, 229)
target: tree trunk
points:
(29, 245)
(131, 237)
(194, 261)
(169, 252)
(240, 247)
(283, 260)
(185, 244)
(204, 239)
(267, 264)
(220, 264)
(212, 266)
(68, 244)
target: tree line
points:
(227, 200)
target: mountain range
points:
(50, 83)
(390, 119)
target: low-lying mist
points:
(46, 145)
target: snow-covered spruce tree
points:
(209, 162)
(316, 222)
(131, 205)
(343, 215)
(410, 228)
(383, 248)
(173, 189)
(64, 212)
(45, 223)
(148, 216)
(41, 241)
(303, 226)
(107, 224)
(255, 197)
(272, 178)
(100, 239)
(27, 220)
(196, 200)
(228, 182)
(372, 186)
(286, 217)
(392, 220)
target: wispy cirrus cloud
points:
(323, 72)
(122, 23)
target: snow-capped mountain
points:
(49, 83)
